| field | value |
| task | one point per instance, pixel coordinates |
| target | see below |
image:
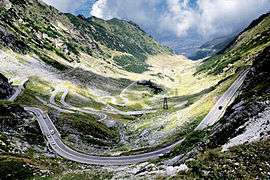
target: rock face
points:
(6, 89)
(250, 112)
(18, 130)
(7, 39)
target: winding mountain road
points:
(18, 91)
(54, 138)
(61, 149)
(224, 101)
(101, 114)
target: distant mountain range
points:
(212, 47)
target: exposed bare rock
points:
(6, 89)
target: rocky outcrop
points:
(154, 87)
(250, 110)
(6, 89)
(7, 39)
(19, 131)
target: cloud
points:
(206, 18)
(66, 5)
(227, 16)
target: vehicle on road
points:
(52, 132)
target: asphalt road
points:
(61, 149)
(101, 114)
(224, 101)
(18, 91)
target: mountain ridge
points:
(250, 26)
(242, 50)
(95, 81)
(69, 36)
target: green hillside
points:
(242, 50)
(104, 86)
(212, 47)
(32, 26)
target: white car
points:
(49, 136)
(53, 143)
(52, 132)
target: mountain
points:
(237, 145)
(242, 134)
(242, 50)
(100, 88)
(185, 46)
(6, 89)
(212, 47)
(31, 26)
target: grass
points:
(88, 125)
(185, 131)
(90, 175)
(34, 87)
(14, 166)
(51, 61)
(181, 122)
(251, 42)
(191, 141)
(244, 162)
(11, 168)
(131, 64)
(79, 102)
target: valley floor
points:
(130, 121)
(114, 112)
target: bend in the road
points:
(61, 149)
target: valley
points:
(84, 97)
(52, 90)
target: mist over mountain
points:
(185, 25)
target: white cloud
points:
(227, 16)
(65, 5)
(207, 18)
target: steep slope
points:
(6, 89)
(212, 47)
(247, 119)
(31, 26)
(241, 51)
(237, 145)
(243, 133)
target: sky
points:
(176, 19)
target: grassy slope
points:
(248, 44)
(244, 162)
(39, 28)
(248, 161)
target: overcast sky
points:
(179, 18)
